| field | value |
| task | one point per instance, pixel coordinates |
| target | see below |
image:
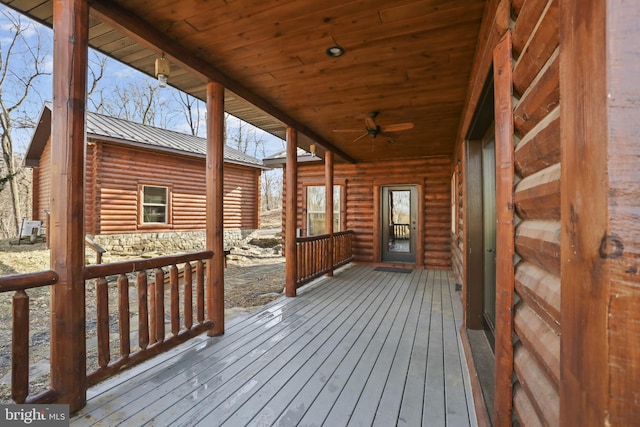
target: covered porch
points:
(364, 347)
(467, 98)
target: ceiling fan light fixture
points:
(334, 51)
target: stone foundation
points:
(164, 242)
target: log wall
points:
(433, 174)
(457, 233)
(42, 187)
(537, 202)
(534, 26)
(114, 174)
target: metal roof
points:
(106, 128)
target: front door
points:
(399, 223)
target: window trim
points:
(339, 189)
(142, 204)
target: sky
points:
(115, 73)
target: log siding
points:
(358, 204)
(115, 174)
(537, 202)
(536, 121)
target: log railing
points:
(19, 283)
(99, 250)
(399, 232)
(312, 254)
(155, 280)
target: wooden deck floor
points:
(362, 348)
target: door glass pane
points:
(399, 221)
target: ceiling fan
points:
(372, 129)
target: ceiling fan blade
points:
(361, 136)
(370, 123)
(397, 127)
(347, 130)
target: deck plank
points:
(274, 398)
(350, 371)
(306, 397)
(367, 382)
(361, 348)
(457, 412)
(281, 368)
(434, 403)
(389, 407)
(413, 395)
(234, 380)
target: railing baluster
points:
(313, 258)
(159, 313)
(175, 299)
(188, 296)
(200, 290)
(123, 314)
(20, 346)
(102, 308)
(152, 312)
(143, 311)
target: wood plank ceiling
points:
(408, 59)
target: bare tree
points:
(243, 137)
(271, 182)
(139, 102)
(95, 93)
(190, 109)
(22, 62)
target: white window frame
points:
(144, 205)
(337, 193)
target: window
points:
(154, 204)
(316, 209)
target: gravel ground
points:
(254, 276)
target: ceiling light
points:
(335, 51)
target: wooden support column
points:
(328, 178)
(291, 218)
(215, 216)
(505, 234)
(68, 343)
(600, 211)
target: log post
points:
(328, 178)
(215, 216)
(66, 227)
(505, 239)
(291, 219)
(600, 242)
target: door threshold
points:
(482, 357)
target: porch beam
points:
(70, 61)
(215, 215)
(144, 34)
(328, 218)
(291, 217)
